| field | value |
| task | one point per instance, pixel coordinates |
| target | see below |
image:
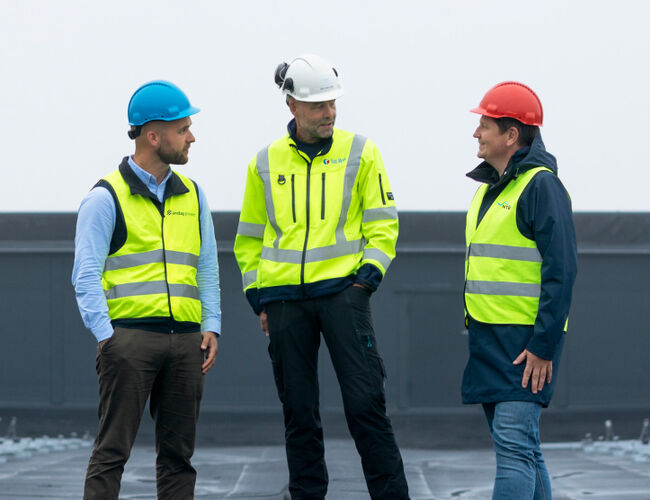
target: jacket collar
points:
(524, 159)
(173, 187)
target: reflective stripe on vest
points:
(153, 274)
(140, 259)
(152, 288)
(502, 266)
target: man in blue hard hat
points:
(147, 283)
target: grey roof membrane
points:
(54, 469)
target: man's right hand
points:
(263, 323)
(101, 344)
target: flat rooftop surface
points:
(55, 470)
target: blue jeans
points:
(521, 471)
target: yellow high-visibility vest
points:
(304, 221)
(502, 266)
(153, 274)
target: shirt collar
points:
(147, 179)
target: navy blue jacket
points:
(543, 214)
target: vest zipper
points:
(293, 197)
(162, 237)
(381, 190)
(322, 205)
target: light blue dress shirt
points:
(95, 225)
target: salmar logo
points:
(505, 205)
(181, 213)
(333, 161)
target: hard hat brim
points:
(485, 112)
(183, 114)
(325, 96)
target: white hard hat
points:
(309, 78)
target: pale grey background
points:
(411, 70)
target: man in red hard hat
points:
(519, 273)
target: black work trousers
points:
(133, 366)
(345, 322)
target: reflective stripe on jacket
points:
(307, 221)
(502, 266)
(153, 273)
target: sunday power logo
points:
(182, 214)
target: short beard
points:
(172, 157)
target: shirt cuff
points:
(212, 325)
(103, 333)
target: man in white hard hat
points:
(316, 234)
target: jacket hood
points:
(524, 159)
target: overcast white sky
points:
(411, 71)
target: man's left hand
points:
(209, 346)
(538, 370)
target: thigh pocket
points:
(277, 374)
(359, 301)
(103, 351)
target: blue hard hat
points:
(158, 100)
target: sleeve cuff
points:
(103, 333)
(254, 300)
(369, 276)
(542, 348)
(212, 325)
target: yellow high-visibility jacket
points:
(151, 272)
(307, 226)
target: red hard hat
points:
(514, 100)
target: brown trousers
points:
(132, 366)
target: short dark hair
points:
(526, 132)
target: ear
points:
(152, 137)
(292, 106)
(513, 136)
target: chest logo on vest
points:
(505, 205)
(181, 213)
(281, 179)
(333, 161)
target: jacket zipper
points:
(304, 248)
(293, 197)
(322, 204)
(381, 190)
(162, 237)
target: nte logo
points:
(334, 161)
